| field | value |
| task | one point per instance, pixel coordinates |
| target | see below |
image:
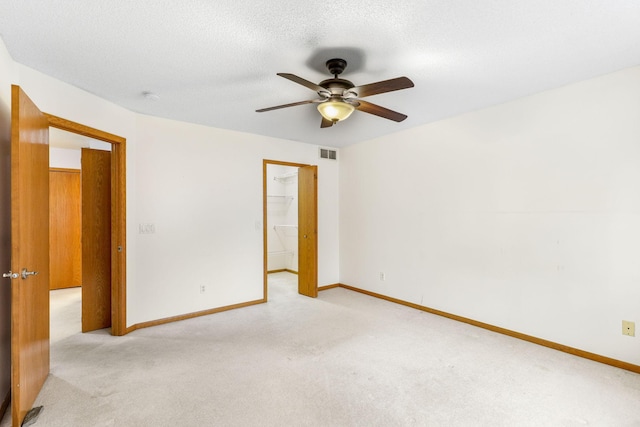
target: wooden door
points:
(65, 237)
(308, 231)
(29, 252)
(96, 239)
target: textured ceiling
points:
(215, 62)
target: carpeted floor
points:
(343, 359)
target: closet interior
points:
(282, 218)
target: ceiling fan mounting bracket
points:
(336, 66)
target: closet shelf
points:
(281, 253)
(285, 226)
(275, 198)
(287, 177)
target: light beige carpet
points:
(343, 359)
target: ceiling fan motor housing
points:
(336, 86)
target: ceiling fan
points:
(339, 97)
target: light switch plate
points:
(146, 228)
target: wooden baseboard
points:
(550, 344)
(560, 347)
(282, 270)
(324, 288)
(192, 315)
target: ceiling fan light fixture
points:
(339, 97)
(335, 110)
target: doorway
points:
(282, 229)
(116, 248)
(80, 230)
(290, 207)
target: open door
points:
(29, 253)
(308, 231)
(96, 239)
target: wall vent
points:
(326, 153)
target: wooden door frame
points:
(265, 163)
(118, 216)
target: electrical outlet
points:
(628, 328)
(383, 276)
(202, 289)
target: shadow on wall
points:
(5, 252)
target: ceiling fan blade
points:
(326, 123)
(382, 87)
(306, 83)
(379, 111)
(293, 104)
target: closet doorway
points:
(290, 223)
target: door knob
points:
(10, 275)
(26, 273)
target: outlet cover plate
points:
(628, 328)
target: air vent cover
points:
(326, 153)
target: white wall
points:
(8, 71)
(71, 158)
(202, 188)
(67, 158)
(524, 216)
